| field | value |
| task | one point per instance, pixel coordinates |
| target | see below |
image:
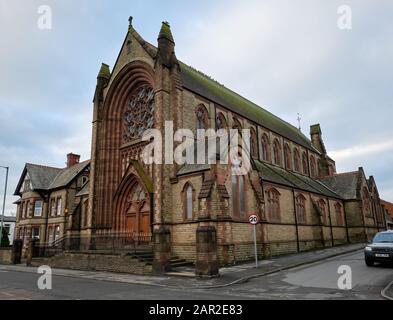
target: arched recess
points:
(133, 207)
(110, 129)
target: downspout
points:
(346, 223)
(296, 222)
(330, 222)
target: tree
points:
(5, 242)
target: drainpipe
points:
(346, 223)
(296, 222)
(330, 222)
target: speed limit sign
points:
(253, 219)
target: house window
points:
(339, 214)
(273, 197)
(277, 153)
(322, 208)
(188, 194)
(296, 160)
(221, 122)
(202, 118)
(305, 164)
(58, 207)
(57, 233)
(238, 194)
(84, 180)
(50, 234)
(189, 202)
(312, 166)
(21, 210)
(35, 232)
(287, 157)
(254, 144)
(38, 208)
(265, 148)
(301, 209)
(236, 125)
(53, 208)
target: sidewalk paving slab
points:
(185, 279)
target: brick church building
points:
(199, 212)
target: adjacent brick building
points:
(199, 212)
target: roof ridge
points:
(42, 166)
(344, 174)
(240, 96)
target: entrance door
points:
(138, 212)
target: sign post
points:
(254, 220)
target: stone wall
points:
(5, 255)
(94, 262)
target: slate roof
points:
(280, 176)
(214, 91)
(85, 190)
(41, 176)
(47, 178)
(343, 184)
(65, 176)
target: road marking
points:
(384, 292)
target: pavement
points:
(185, 279)
(306, 276)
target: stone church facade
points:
(199, 212)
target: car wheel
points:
(369, 263)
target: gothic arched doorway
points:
(137, 211)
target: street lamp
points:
(5, 195)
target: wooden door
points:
(138, 212)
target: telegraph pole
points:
(5, 196)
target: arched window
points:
(305, 163)
(287, 157)
(312, 167)
(236, 124)
(254, 144)
(366, 200)
(296, 160)
(277, 152)
(202, 117)
(265, 148)
(322, 208)
(339, 214)
(301, 209)
(238, 192)
(188, 201)
(273, 197)
(221, 122)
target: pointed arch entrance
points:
(137, 211)
(133, 208)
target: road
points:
(316, 281)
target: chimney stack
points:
(72, 159)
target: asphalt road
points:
(316, 281)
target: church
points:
(199, 212)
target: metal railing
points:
(109, 243)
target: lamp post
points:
(5, 195)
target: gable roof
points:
(44, 178)
(345, 185)
(40, 176)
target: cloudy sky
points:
(287, 56)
